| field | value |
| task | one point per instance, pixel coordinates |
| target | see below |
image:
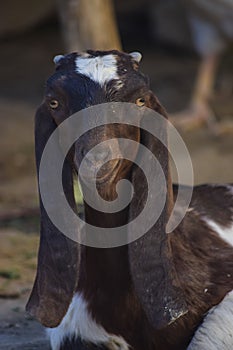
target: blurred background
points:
(187, 48)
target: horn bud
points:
(136, 56)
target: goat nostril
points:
(82, 152)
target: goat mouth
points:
(109, 176)
(100, 176)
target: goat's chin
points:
(104, 176)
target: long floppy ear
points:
(58, 258)
(153, 273)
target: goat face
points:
(80, 81)
(91, 78)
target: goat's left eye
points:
(53, 104)
(140, 102)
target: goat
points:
(152, 293)
(216, 329)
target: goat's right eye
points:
(53, 104)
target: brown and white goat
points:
(153, 293)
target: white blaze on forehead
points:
(100, 69)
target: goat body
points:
(216, 330)
(152, 293)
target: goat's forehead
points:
(100, 68)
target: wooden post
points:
(88, 24)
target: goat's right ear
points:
(58, 258)
(153, 271)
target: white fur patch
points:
(100, 69)
(79, 323)
(216, 331)
(226, 233)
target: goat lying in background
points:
(155, 292)
(216, 329)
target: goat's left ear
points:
(58, 258)
(153, 272)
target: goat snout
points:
(97, 156)
(97, 163)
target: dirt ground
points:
(25, 63)
(17, 330)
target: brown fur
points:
(186, 272)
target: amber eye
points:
(53, 104)
(140, 102)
